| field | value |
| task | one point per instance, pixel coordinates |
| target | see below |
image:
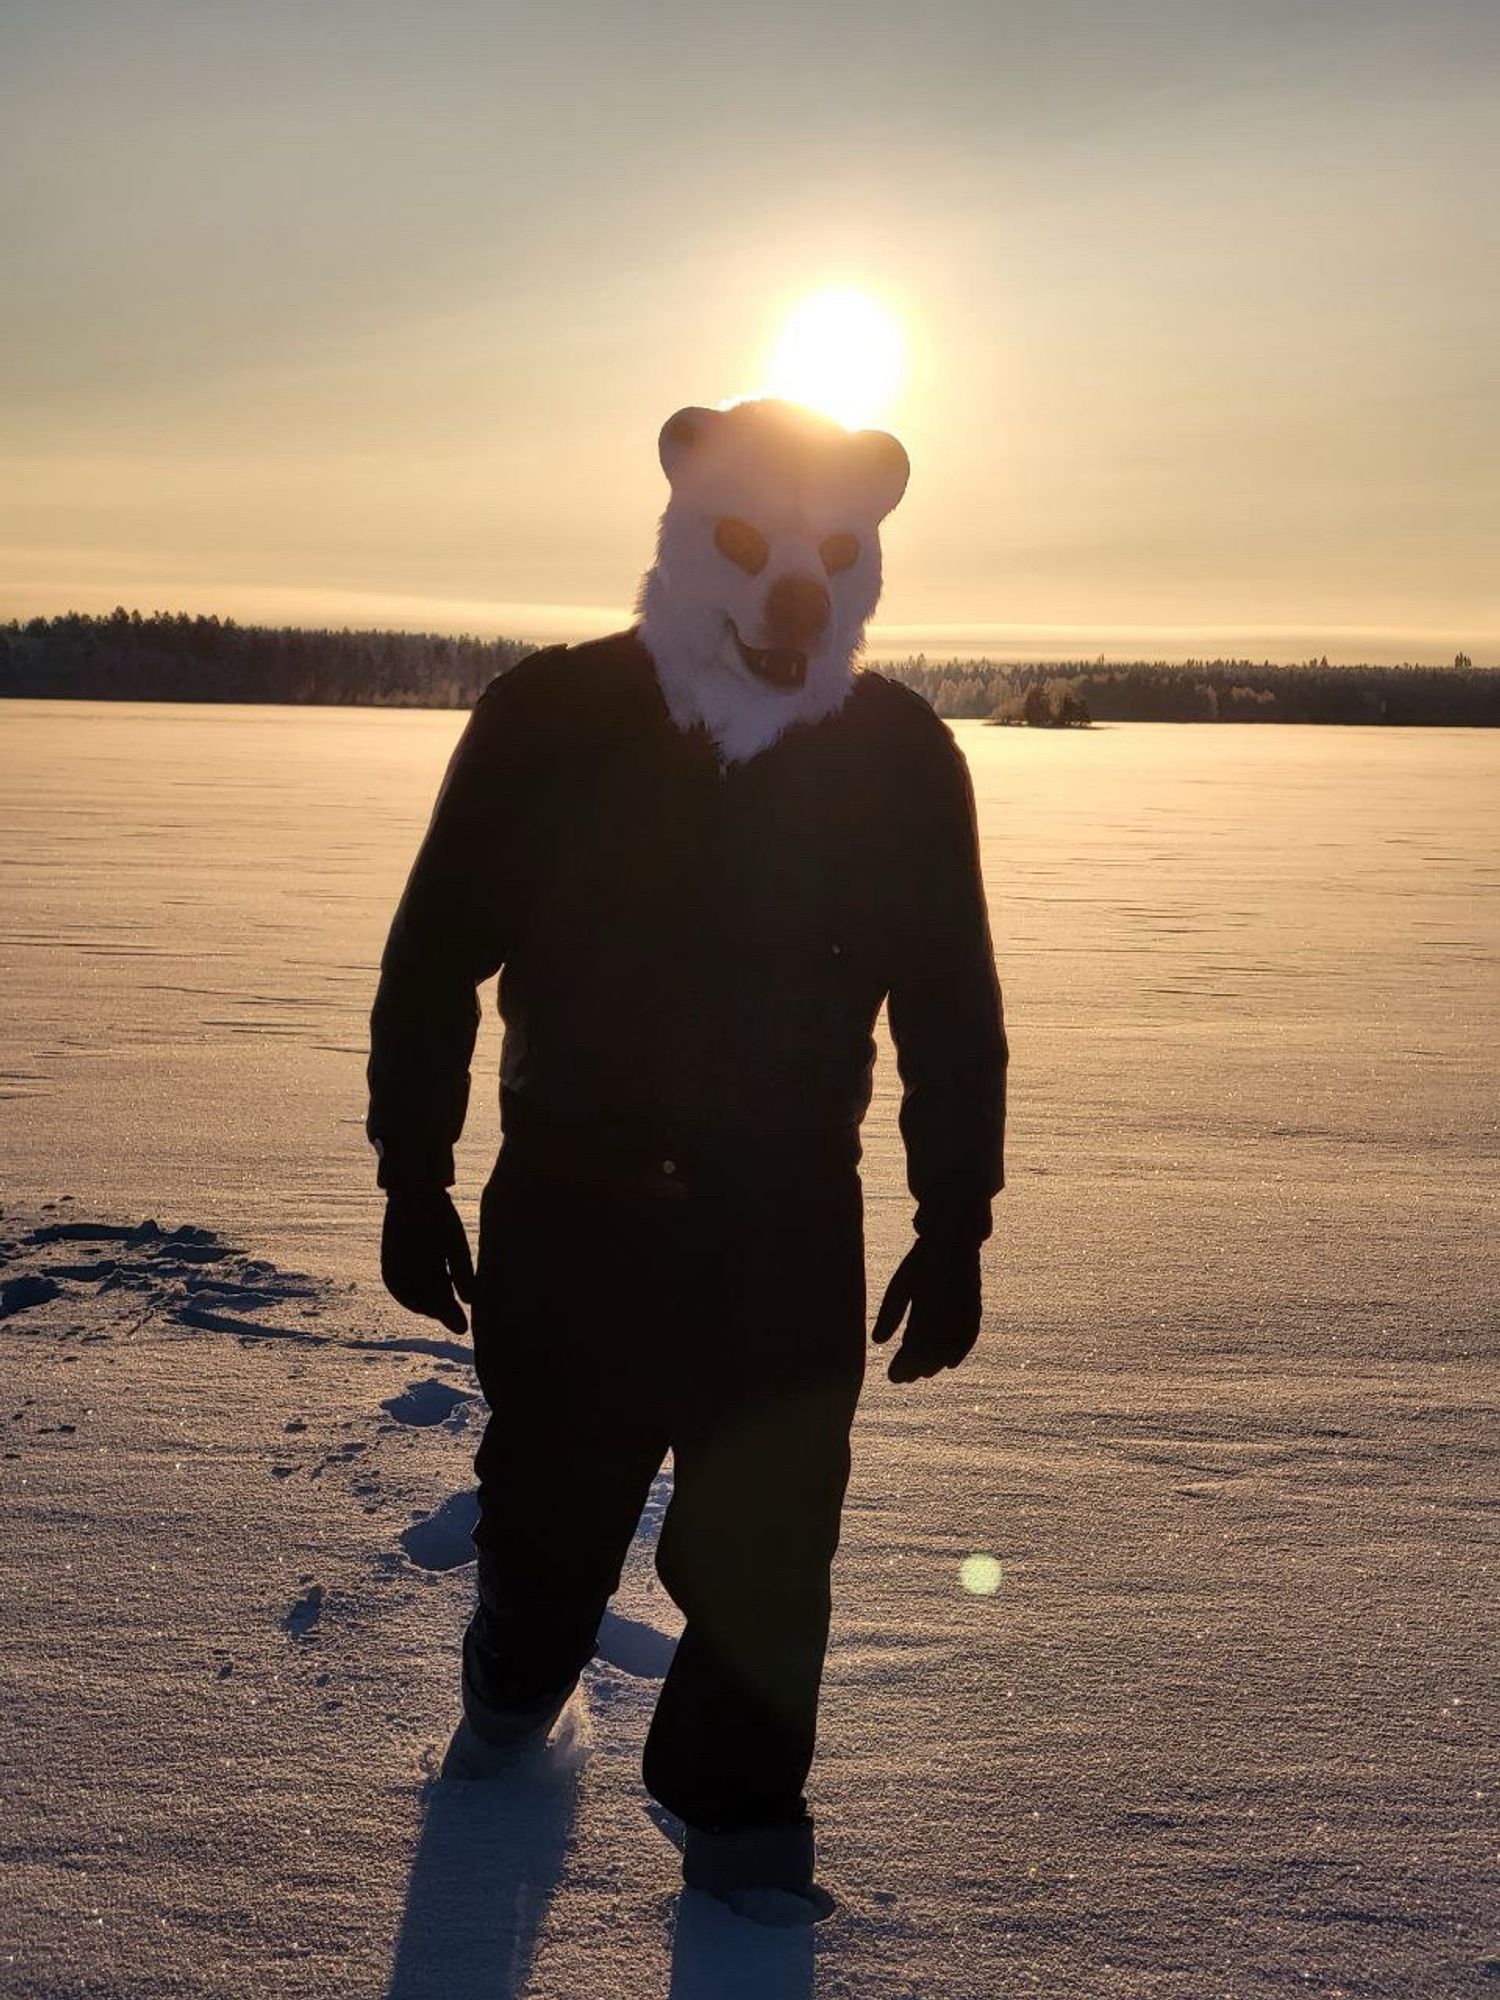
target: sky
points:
(370, 313)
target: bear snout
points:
(796, 610)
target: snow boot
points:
(764, 1873)
(491, 1739)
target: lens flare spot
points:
(979, 1575)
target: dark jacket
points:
(692, 958)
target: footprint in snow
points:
(304, 1613)
(16, 1294)
(635, 1647)
(429, 1402)
(443, 1540)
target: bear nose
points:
(796, 610)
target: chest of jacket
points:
(655, 871)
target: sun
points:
(840, 352)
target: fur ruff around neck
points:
(704, 687)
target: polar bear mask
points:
(767, 567)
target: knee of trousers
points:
(769, 1542)
(762, 1592)
(517, 1579)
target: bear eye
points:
(838, 552)
(745, 546)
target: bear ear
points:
(680, 434)
(881, 467)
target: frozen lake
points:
(1258, 960)
(1224, 1728)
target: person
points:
(700, 854)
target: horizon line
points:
(537, 623)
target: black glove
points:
(424, 1255)
(938, 1279)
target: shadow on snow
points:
(488, 1860)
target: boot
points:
(494, 1737)
(764, 1873)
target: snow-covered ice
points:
(1163, 1661)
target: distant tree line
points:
(165, 657)
(125, 657)
(1050, 693)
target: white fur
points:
(738, 463)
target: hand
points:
(424, 1255)
(939, 1280)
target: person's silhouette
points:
(695, 918)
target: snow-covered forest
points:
(173, 657)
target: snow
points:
(1218, 1720)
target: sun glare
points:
(839, 352)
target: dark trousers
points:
(729, 1329)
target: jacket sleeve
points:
(451, 932)
(944, 1004)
